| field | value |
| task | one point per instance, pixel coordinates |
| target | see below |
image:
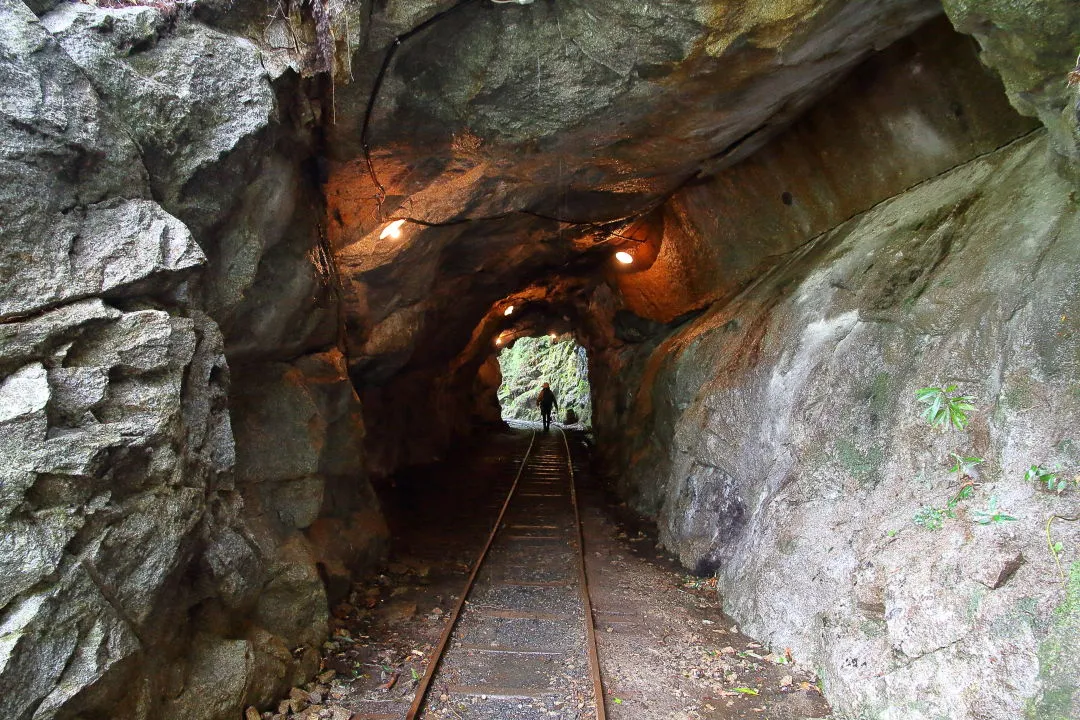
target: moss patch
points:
(1059, 665)
(863, 464)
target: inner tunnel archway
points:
(529, 362)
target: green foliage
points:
(529, 363)
(1056, 546)
(929, 518)
(945, 407)
(1057, 657)
(1052, 480)
(964, 466)
(966, 493)
(992, 514)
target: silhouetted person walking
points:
(546, 400)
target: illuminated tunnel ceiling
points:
(515, 138)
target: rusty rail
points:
(429, 674)
(586, 601)
(576, 537)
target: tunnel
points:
(819, 261)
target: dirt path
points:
(667, 651)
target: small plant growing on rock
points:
(992, 514)
(945, 407)
(929, 518)
(965, 468)
(965, 493)
(1052, 480)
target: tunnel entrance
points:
(530, 362)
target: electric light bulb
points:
(509, 311)
(624, 257)
(393, 230)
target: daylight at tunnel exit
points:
(539, 360)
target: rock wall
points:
(771, 427)
(798, 458)
(1034, 53)
(185, 461)
(159, 260)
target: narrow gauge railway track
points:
(520, 643)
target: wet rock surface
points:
(1034, 55)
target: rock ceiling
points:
(513, 138)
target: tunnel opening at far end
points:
(528, 363)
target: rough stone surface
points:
(179, 189)
(300, 466)
(922, 106)
(102, 250)
(791, 458)
(131, 576)
(201, 106)
(216, 683)
(917, 109)
(292, 604)
(103, 494)
(510, 118)
(1034, 52)
(188, 98)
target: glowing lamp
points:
(393, 230)
(509, 311)
(624, 257)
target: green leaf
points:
(935, 408)
(943, 410)
(617, 701)
(745, 690)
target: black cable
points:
(387, 59)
